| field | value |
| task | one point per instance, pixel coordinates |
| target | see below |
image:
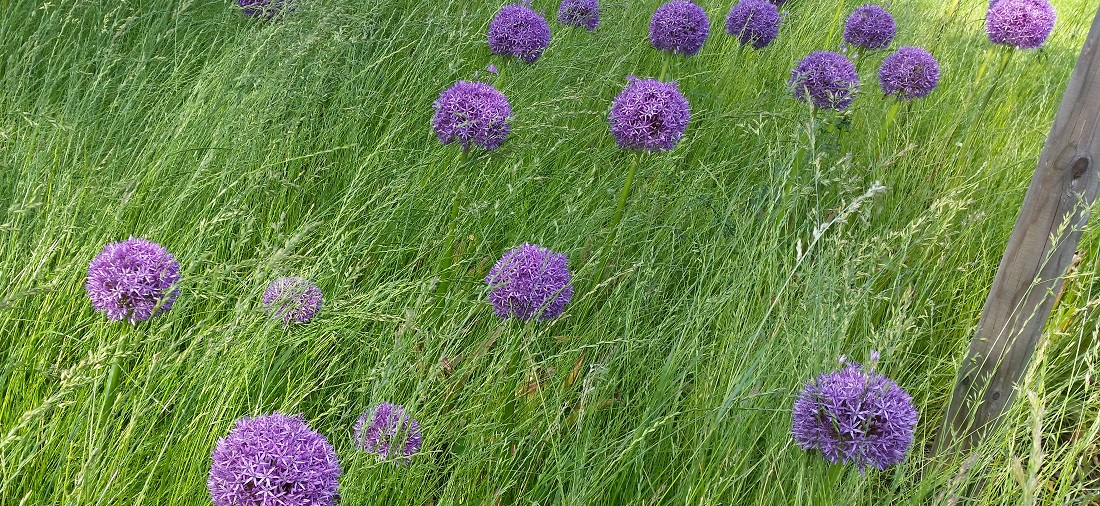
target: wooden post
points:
(1041, 247)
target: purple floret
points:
(292, 299)
(679, 27)
(870, 27)
(133, 280)
(266, 9)
(472, 113)
(387, 430)
(582, 13)
(827, 79)
(649, 115)
(909, 73)
(530, 281)
(855, 416)
(1025, 24)
(519, 31)
(273, 460)
(754, 22)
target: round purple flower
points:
(519, 31)
(909, 73)
(870, 27)
(649, 115)
(292, 299)
(827, 79)
(388, 431)
(266, 9)
(855, 416)
(753, 22)
(133, 280)
(472, 113)
(273, 460)
(679, 27)
(530, 281)
(582, 13)
(1025, 24)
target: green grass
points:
(303, 147)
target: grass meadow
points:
(748, 261)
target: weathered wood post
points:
(1041, 247)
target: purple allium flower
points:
(826, 78)
(649, 115)
(582, 13)
(1025, 24)
(679, 27)
(388, 431)
(856, 416)
(519, 31)
(529, 281)
(753, 22)
(273, 460)
(472, 113)
(909, 73)
(292, 299)
(870, 27)
(128, 280)
(266, 9)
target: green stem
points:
(110, 391)
(625, 193)
(664, 65)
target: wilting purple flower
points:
(909, 73)
(292, 299)
(529, 281)
(649, 115)
(472, 113)
(1025, 24)
(679, 27)
(753, 22)
(855, 416)
(582, 13)
(870, 27)
(519, 31)
(129, 279)
(492, 69)
(388, 431)
(273, 460)
(265, 8)
(826, 78)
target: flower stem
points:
(625, 192)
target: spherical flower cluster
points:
(519, 31)
(273, 460)
(292, 299)
(870, 27)
(530, 281)
(582, 13)
(679, 27)
(133, 280)
(266, 9)
(754, 22)
(1025, 24)
(388, 431)
(827, 79)
(649, 115)
(909, 73)
(472, 113)
(855, 416)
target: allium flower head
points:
(649, 115)
(754, 22)
(679, 27)
(1025, 24)
(266, 9)
(827, 79)
(870, 27)
(855, 416)
(388, 431)
(273, 460)
(909, 73)
(583, 13)
(519, 31)
(472, 113)
(292, 299)
(529, 281)
(133, 280)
